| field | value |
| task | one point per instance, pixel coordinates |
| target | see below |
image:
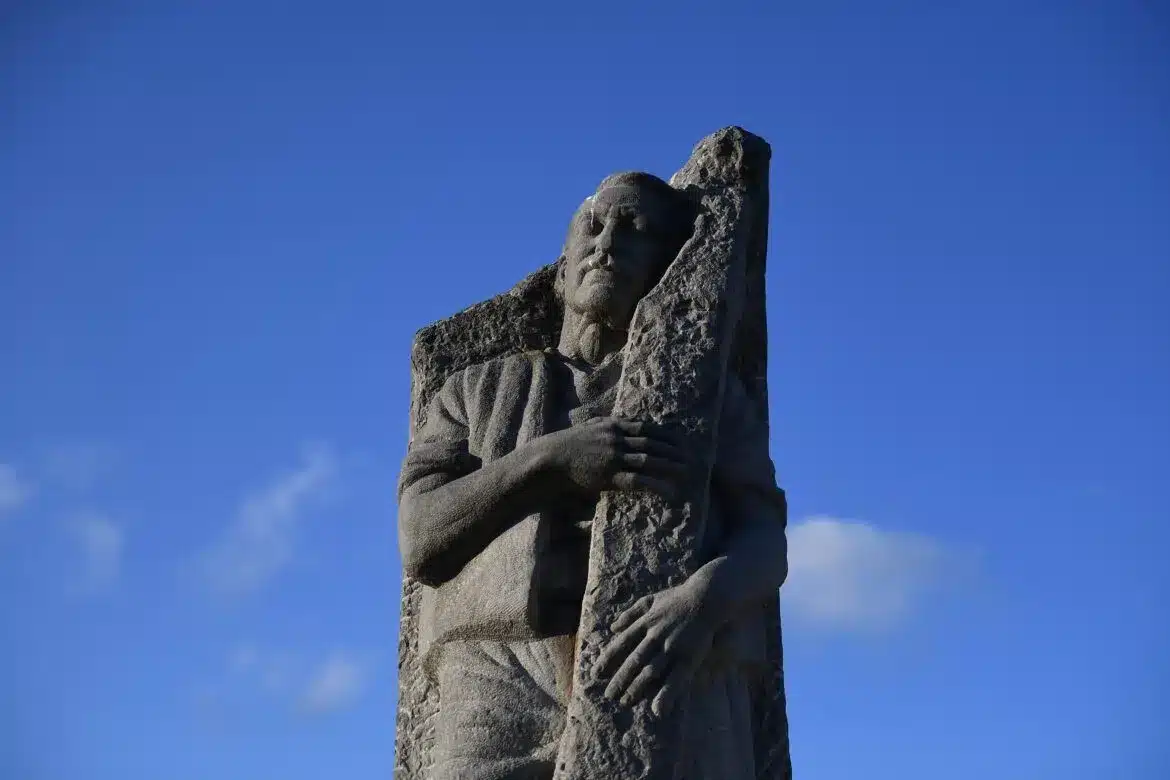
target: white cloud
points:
(101, 543)
(336, 684)
(849, 575)
(278, 674)
(244, 657)
(275, 672)
(77, 465)
(14, 491)
(293, 680)
(262, 539)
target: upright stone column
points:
(705, 318)
(680, 349)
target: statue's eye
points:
(592, 224)
(641, 224)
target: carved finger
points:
(652, 464)
(629, 480)
(624, 480)
(631, 427)
(662, 449)
(619, 646)
(675, 686)
(635, 662)
(650, 673)
(662, 433)
(632, 613)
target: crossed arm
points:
(444, 522)
(447, 518)
(448, 515)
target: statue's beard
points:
(601, 314)
(595, 341)
(597, 332)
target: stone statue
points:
(590, 527)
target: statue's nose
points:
(604, 241)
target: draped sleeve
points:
(439, 451)
(743, 465)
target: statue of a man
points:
(497, 495)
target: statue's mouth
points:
(597, 267)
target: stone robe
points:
(496, 637)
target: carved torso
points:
(500, 707)
(579, 393)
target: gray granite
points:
(589, 523)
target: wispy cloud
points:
(850, 575)
(261, 540)
(336, 684)
(100, 542)
(77, 465)
(244, 657)
(14, 490)
(275, 672)
(304, 686)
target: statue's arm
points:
(450, 505)
(752, 562)
(674, 629)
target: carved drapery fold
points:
(706, 317)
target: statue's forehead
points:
(619, 194)
(625, 196)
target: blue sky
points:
(223, 222)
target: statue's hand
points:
(659, 643)
(610, 453)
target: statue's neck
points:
(586, 340)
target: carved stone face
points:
(620, 241)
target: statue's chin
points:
(598, 304)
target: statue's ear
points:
(559, 281)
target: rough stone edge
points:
(750, 360)
(444, 347)
(524, 318)
(673, 373)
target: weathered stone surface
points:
(525, 317)
(706, 316)
(677, 357)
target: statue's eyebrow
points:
(588, 206)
